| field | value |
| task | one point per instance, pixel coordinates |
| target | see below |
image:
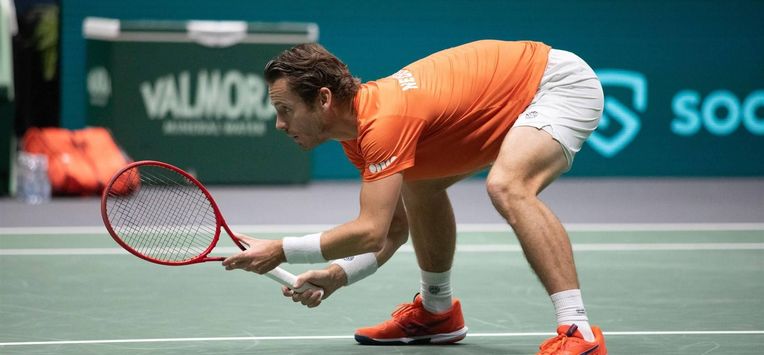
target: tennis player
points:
(521, 108)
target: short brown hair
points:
(309, 67)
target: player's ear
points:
(325, 98)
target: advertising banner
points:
(192, 94)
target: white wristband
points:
(357, 267)
(303, 250)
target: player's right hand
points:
(330, 279)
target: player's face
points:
(300, 121)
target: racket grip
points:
(288, 279)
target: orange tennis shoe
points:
(569, 341)
(412, 324)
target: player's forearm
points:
(353, 238)
(349, 239)
(379, 231)
(349, 270)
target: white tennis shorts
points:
(568, 103)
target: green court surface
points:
(653, 292)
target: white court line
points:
(624, 227)
(333, 337)
(480, 248)
(462, 227)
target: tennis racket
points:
(162, 214)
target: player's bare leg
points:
(431, 222)
(433, 317)
(529, 160)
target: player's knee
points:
(508, 195)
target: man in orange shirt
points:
(521, 108)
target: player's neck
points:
(344, 122)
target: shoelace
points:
(552, 345)
(404, 308)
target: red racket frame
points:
(278, 274)
(220, 222)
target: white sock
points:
(570, 310)
(436, 291)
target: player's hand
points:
(262, 255)
(330, 279)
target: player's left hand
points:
(262, 255)
(329, 279)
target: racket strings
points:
(171, 241)
(166, 217)
(191, 220)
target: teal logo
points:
(721, 112)
(616, 112)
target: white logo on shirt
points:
(375, 168)
(405, 79)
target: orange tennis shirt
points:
(446, 114)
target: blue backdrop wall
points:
(684, 80)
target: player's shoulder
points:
(382, 97)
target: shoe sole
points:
(442, 338)
(593, 351)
